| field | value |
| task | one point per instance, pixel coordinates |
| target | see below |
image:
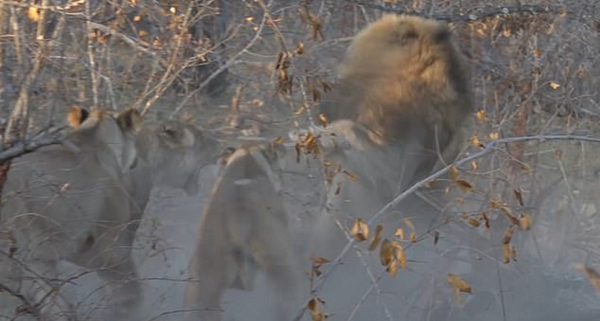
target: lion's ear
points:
(130, 120)
(76, 116)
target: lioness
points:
(67, 203)
(402, 102)
(92, 214)
(244, 230)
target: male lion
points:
(88, 205)
(401, 103)
(244, 230)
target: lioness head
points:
(110, 134)
(176, 152)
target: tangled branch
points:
(396, 201)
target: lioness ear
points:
(76, 116)
(130, 120)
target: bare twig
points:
(474, 15)
(43, 6)
(18, 36)
(121, 36)
(165, 82)
(29, 307)
(22, 147)
(396, 201)
(3, 82)
(90, 52)
(18, 121)
(226, 65)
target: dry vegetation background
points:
(256, 68)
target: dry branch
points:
(18, 121)
(28, 306)
(90, 52)
(21, 147)
(396, 201)
(226, 65)
(475, 14)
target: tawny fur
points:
(244, 230)
(401, 105)
(403, 78)
(401, 102)
(84, 204)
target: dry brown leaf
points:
(507, 237)
(400, 255)
(494, 136)
(513, 253)
(323, 120)
(299, 111)
(474, 165)
(360, 230)
(494, 203)
(525, 221)
(320, 260)
(509, 215)
(453, 173)
(412, 237)
(392, 268)
(486, 220)
(464, 186)
(436, 237)
(591, 274)
(376, 238)
(554, 85)
(473, 222)
(456, 282)
(480, 115)
(34, 14)
(519, 196)
(315, 311)
(399, 233)
(299, 48)
(475, 141)
(408, 223)
(506, 253)
(351, 176)
(386, 252)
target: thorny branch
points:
(473, 15)
(492, 146)
(228, 64)
(29, 307)
(165, 81)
